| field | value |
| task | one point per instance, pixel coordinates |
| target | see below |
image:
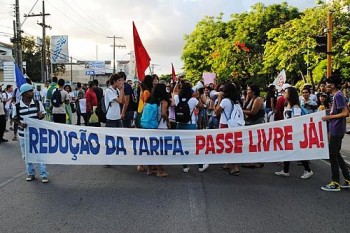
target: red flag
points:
(173, 75)
(141, 56)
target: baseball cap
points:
(25, 88)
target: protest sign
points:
(209, 78)
(300, 138)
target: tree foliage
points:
(255, 46)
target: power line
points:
(30, 11)
(87, 20)
(77, 22)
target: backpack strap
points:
(233, 106)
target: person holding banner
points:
(28, 108)
(293, 110)
(160, 97)
(336, 128)
(186, 94)
(145, 92)
(254, 111)
(226, 102)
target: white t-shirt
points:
(162, 122)
(7, 97)
(225, 104)
(192, 103)
(112, 106)
(61, 109)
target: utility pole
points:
(18, 38)
(43, 43)
(71, 70)
(114, 46)
(329, 44)
(152, 68)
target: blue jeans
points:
(30, 166)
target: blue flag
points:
(20, 80)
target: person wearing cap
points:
(323, 102)
(28, 108)
(336, 129)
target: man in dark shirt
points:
(127, 113)
(337, 129)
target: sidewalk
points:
(345, 151)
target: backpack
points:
(149, 118)
(236, 118)
(102, 109)
(56, 98)
(182, 111)
(303, 110)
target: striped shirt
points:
(25, 111)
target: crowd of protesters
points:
(122, 104)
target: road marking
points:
(13, 178)
(197, 205)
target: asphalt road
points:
(119, 199)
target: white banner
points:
(59, 49)
(300, 138)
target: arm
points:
(342, 114)
(125, 106)
(272, 102)
(255, 108)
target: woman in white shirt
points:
(293, 110)
(226, 101)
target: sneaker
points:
(346, 184)
(14, 138)
(186, 169)
(45, 180)
(333, 187)
(4, 140)
(306, 175)
(11, 128)
(205, 167)
(30, 178)
(282, 173)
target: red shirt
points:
(279, 108)
(91, 100)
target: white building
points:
(6, 64)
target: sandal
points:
(150, 172)
(233, 173)
(140, 168)
(162, 174)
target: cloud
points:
(160, 23)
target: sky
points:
(161, 24)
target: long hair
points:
(147, 83)
(255, 89)
(159, 94)
(293, 97)
(231, 92)
(185, 91)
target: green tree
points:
(234, 49)
(291, 46)
(32, 57)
